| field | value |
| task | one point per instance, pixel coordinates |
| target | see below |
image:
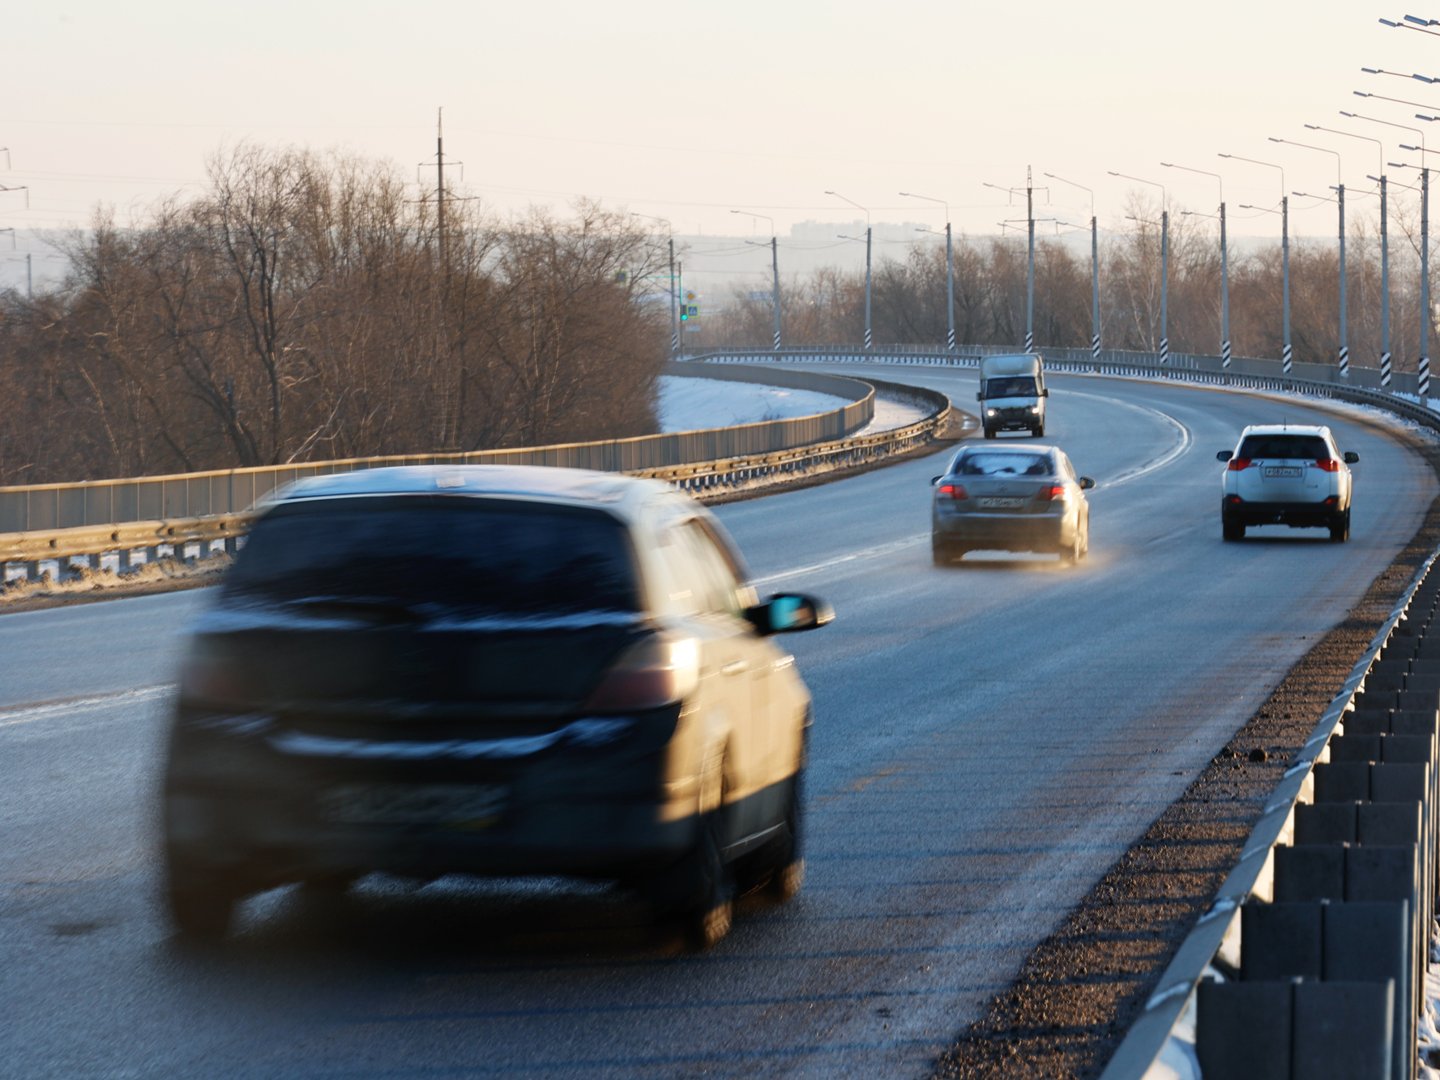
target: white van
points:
(1012, 394)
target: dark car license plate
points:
(1281, 471)
(468, 806)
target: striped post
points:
(1423, 386)
(1164, 350)
(1029, 342)
(1385, 368)
(1287, 359)
(1095, 346)
(869, 340)
(1344, 362)
(950, 339)
(777, 341)
(1225, 354)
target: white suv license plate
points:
(466, 806)
(1274, 472)
(995, 502)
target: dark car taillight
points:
(1051, 492)
(1327, 464)
(208, 675)
(953, 491)
(1239, 464)
(658, 670)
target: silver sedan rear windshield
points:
(1004, 463)
(462, 555)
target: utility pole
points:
(1030, 263)
(440, 189)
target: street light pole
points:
(1029, 256)
(1164, 262)
(774, 271)
(674, 286)
(1287, 352)
(869, 338)
(1384, 252)
(1344, 355)
(1386, 371)
(949, 270)
(1094, 267)
(1224, 264)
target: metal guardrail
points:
(50, 507)
(1162, 1043)
(706, 479)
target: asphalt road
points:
(989, 738)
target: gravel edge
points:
(1079, 990)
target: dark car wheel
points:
(1340, 528)
(201, 901)
(779, 868)
(1073, 552)
(1038, 431)
(943, 553)
(989, 433)
(708, 912)
(1231, 530)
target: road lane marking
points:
(1186, 439)
(39, 710)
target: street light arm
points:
(853, 203)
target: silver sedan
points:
(1007, 498)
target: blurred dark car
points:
(488, 670)
(994, 498)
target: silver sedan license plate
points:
(996, 502)
(464, 806)
(1281, 472)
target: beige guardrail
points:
(706, 479)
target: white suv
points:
(1284, 474)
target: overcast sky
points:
(686, 111)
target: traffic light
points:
(684, 313)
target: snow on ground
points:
(689, 404)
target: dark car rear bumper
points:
(256, 804)
(1293, 514)
(1000, 533)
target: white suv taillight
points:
(660, 670)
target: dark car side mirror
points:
(786, 613)
(935, 480)
(1086, 483)
(979, 397)
(1224, 455)
(1351, 457)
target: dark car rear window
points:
(1004, 463)
(463, 555)
(1305, 447)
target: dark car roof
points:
(575, 487)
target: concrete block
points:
(1342, 781)
(1243, 1030)
(1315, 872)
(1342, 1031)
(1386, 676)
(1397, 782)
(1371, 943)
(1326, 823)
(1281, 941)
(1380, 873)
(1353, 746)
(1380, 824)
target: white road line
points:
(1186, 439)
(851, 556)
(24, 714)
